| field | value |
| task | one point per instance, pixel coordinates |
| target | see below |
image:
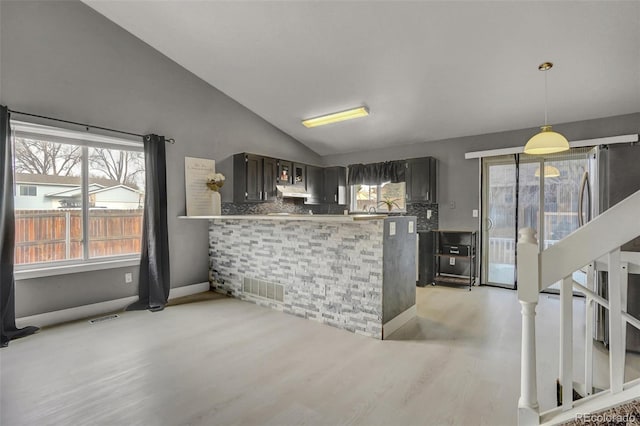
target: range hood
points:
(292, 191)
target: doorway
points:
(518, 191)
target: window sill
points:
(48, 270)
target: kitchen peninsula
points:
(355, 272)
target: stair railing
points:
(597, 246)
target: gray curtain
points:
(154, 285)
(8, 329)
(377, 173)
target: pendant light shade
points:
(549, 171)
(547, 141)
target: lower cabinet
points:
(426, 257)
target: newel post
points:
(528, 289)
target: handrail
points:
(597, 245)
(611, 230)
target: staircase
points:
(595, 246)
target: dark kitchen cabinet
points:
(299, 174)
(315, 185)
(421, 180)
(269, 178)
(254, 178)
(284, 172)
(335, 185)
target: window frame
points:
(86, 141)
(353, 202)
(26, 186)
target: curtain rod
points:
(87, 126)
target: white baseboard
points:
(94, 309)
(398, 321)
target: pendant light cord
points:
(545, 96)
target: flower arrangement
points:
(390, 203)
(215, 181)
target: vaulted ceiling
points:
(427, 70)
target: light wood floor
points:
(227, 362)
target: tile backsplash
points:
(297, 206)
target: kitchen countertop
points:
(303, 217)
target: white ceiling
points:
(426, 70)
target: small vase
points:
(216, 203)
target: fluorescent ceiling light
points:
(336, 116)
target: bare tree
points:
(46, 158)
(126, 167)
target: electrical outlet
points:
(452, 261)
(452, 204)
(128, 277)
(428, 214)
(474, 213)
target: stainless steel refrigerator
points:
(612, 175)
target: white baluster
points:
(588, 340)
(616, 342)
(528, 290)
(566, 342)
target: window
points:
(28, 190)
(80, 198)
(386, 197)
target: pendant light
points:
(547, 141)
(549, 171)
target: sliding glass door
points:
(539, 192)
(499, 229)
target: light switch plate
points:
(392, 228)
(452, 261)
(474, 212)
(428, 214)
(410, 230)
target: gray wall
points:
(65, 60)
(458, 179)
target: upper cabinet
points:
(254, 178)
(335, 185)
(421, 180)
(315, 185)
(299, 175)
(270, 178)
(284, 172)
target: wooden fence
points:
(55, 235)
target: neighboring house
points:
(45, 192)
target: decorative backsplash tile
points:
(297, 206)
